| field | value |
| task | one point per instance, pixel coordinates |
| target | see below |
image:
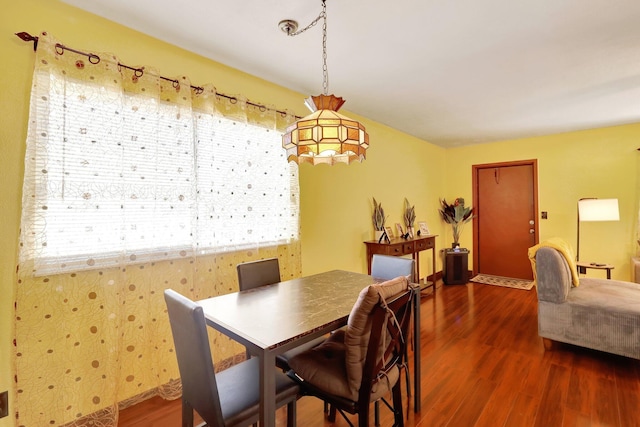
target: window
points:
(124, 176)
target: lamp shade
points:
(598, 210)
(325, 136)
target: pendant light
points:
(325, 136)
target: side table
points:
(456, 267)
(582, 267)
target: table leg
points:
(268, 389)
(416, 351)
(433, 261)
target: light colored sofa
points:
(598, 314)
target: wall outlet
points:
(4, 404)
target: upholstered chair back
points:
(359, 326)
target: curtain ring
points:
(262, 108)
(233, 100)
(175, 84)
(138, 72)
(59, 49)
(93, 57)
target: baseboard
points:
(438, 276)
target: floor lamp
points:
(596, 210)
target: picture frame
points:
(399, 229)
(389, 231)
(424, 230)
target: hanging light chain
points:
(323, 14)
(325, 70)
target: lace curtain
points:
(133, 184)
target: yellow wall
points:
(600, 163)
(335, 201)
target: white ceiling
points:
(451, 72)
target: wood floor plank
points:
(500, 404)
(490, 362)
(627, 377)
(473, 404)
(536, 369)
(583, 386)
(523, 412)
(454, 388)
(483, 364)
(574, 418)
(552, 403)
(605, 408)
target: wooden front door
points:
(505, 224)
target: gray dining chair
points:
(388, 267)
(264, 272)
(253, 274)
(230, 397)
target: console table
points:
(400, 246)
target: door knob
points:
(531, 222)
(531, 231)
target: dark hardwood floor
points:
(483, 364)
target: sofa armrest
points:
(553, 276)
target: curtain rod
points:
(138, 72)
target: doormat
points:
(506, 282)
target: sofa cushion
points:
(613, 295)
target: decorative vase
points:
(455, 245)
(377, 234)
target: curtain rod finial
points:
(27, 38)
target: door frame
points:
(474, 183)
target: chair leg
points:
(363, 416)
(397, 405)
(187, 414)
(291, 414)
(376, 413)
(332, 413)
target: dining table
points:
(272, 319)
